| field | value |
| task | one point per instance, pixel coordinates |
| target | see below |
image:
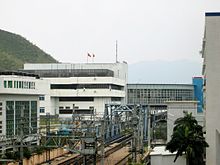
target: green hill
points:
(15, 50)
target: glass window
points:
(29, 85)
(41, 98)
(42, 109)
(5, 84)
(15, 84)
(9, 84)
(20, 84)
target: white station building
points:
(80, 88)
(19, 105)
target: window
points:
(9, 84)
(41, 98)
(29, 85)
(15, 84)
(76, 99)
(5, 84)
(42, 109)
(116, 99)
(19, 84)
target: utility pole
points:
(47, 137)
(148, 129)
(103, 141)
(21, 135)
(134, 142)
(141, 130)
(116, 51)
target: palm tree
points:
(188, 138)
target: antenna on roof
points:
(116, 51)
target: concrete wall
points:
(211, 70)
(38, 159)
(161, 157)
(175, 110)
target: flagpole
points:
(116, 51)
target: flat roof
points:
(161, 150)
(212, 14)
(18, 73)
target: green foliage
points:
(12, 155)
(16, 155)
(27, 153)
(39, 150)
(9, 155)
(16, 50)
(188, 138)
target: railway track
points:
(110, 148)
(124, 160)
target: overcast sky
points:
(146, 30)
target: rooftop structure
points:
(81, 88)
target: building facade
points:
(157, 95)
(211, 69)
(175, 110)
(19, 105)
(19, 92)
(81, 88)
(198, 92)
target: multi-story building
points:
(211, 70)
(157, 95)
(80, 88)
(19, 104)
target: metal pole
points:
(47, 137)
(103, 142)
(21, 134)
(148, 129)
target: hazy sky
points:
(145, 29)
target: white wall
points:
(161, 157)
(175, 110)
(211, 54)
(101, 96)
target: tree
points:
(188, 138)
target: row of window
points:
(19, 84)
(13, 116)
(86, 86)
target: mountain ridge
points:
(15, 50)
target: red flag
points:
(89, 55)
